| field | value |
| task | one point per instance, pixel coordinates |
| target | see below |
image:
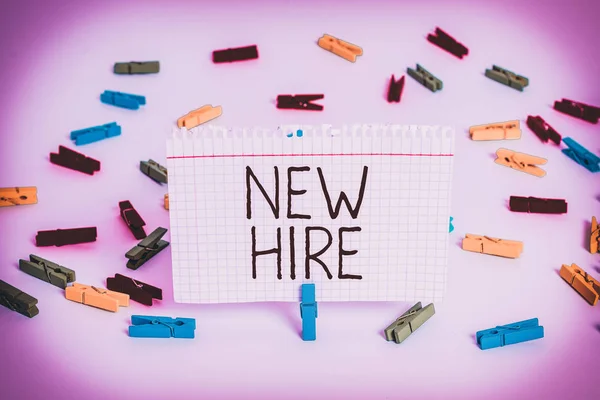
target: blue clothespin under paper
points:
(581, 155)
(451, 226)
(95, 133)
(504, 335)
(145, 326)
(123, 100)
(299, 133)
(308, 312)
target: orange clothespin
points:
(18, 196)
(492, 246)
(585, 285)
(496, 131)
(97, 297)
(594, 236)
(521, 162)
(167, 201)
(199, 116)
(340, 48)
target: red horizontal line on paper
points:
(316, 155)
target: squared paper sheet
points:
(401, 247)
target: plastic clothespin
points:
(309, 312)
(123, 100)
(144, 326)
(146, 249)
(47, 271)
(94, 134)
(505, 335)
(409, 322)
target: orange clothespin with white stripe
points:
(521, 162)
(584, 284)
(492, 246)
(340, 48)
(199, 116)
(508, 130)
(97, 297)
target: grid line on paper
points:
(402, 248)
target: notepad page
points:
(362, 211)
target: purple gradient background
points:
(56, 60)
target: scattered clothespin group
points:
(395, 89)
(132, 218)
(136, 67)
(425, 78)
(578, 110)
(123, 100)
(146, 249)
(448, 43)
(17, 300)
(409, 322)
(63, 237)
(199, 116)
(504, 335)
(542, 130)
(154, 171)
(581, 155)
(18, 196)
(144, 326)
(235, 54)
(299, 102)
(47, 271)
(347, 51)
(594, 236)
(138, 291)
(508, 130)
(536, 205)
(76, 161)
(507, 78)
(492, 246)
(521, 162)
(582, 282)
(309, 312)
(94, 134)
(96, 297)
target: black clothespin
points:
(132, 218)
(299, 102)
(154, 171)
(542, 130)
(395, 90)
(146, 249)
(235, 54)
(137, 290)
(47, 271)
(578, 110)
(73, 160)
(536, 205)
(448, 43)
(17, 300)
(62, 237)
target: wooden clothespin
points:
(75, 161)
(18, 196)
(521, 162)
(425, 78)
(145, 326)
(395, 89)
(340, 48)
(63, 237)
(96, 297)
(542, 130)
(136, 67)
(535, 205)
(199, 116)
(132, 218)
(146, 249)
(504, 335)
(448, 43)
(138, 291)
(582, 282)
(492, 246)
(594, 236)
(578, 110)
(409, 322)
(47, 271)
(299, 102)
(17, 300)
(236, 54)
(154, 171)
(507, 78)
(497, 131)
(309, 312)
(167, 201)
(581, 155)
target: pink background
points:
(57, 59)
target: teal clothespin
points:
(451, 226)
(299, 133)
(308, 312)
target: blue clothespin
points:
(308, 312)
(504, 335)
(581, 155)
(123, 100)
(145, 326)
(299, 133)
(95, 133)
(451, 226)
